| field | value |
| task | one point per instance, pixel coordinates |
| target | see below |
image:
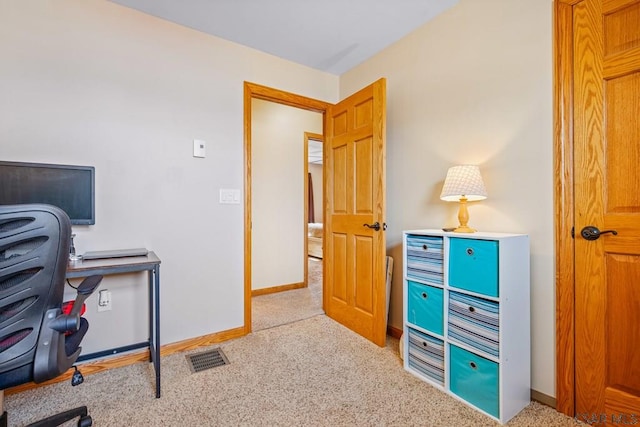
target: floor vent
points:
(199, 362)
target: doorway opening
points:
(275, 277)
(287, 214)
(354, 194)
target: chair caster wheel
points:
(85, 421)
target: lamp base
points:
(464, 229)
(463, 218)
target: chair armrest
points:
(89, 285)
(85, 289)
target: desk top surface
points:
(132, 263)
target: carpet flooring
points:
(309, 372)
(280, 308)
(313, 372)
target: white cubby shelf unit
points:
(466, 323)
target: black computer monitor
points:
(71, 188)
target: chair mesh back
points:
(34, 247)
(14, 224)
(13, 339)
(9, 311)
(9, 281)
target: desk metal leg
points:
(154, 323)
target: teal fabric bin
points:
(473, 265)
(475, 379)
(425, 307)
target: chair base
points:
(57, 419)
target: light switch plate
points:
(229, 196)
(199, 148)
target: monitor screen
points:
(71, 188)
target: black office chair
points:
(37, 341)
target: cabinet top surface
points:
(476, 235)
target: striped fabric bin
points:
(424, 258)
(426, 356)
(475, 322)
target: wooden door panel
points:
(610, 6)
(622, 97)
(622, 407)
(340, 179)
(363, 176)
(355, 162)
(623, 317)
(363, 114)
(621, 35)
(338, 245)
(622, 28)
(339, 122)
(364, 291)
(607, 195)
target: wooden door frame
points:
(256, 91)
(564, 205)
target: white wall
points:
(474, 86)
(94, 83)
(277, 192)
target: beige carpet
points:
(280, 308)
(298, 368)
(313, 372)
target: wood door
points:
(606, 64)
(354, 255)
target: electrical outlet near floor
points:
(104, 300)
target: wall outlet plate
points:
(104, 300)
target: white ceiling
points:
(328, 35)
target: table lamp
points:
(462, 184)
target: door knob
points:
(376, 226)
(593, 233)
